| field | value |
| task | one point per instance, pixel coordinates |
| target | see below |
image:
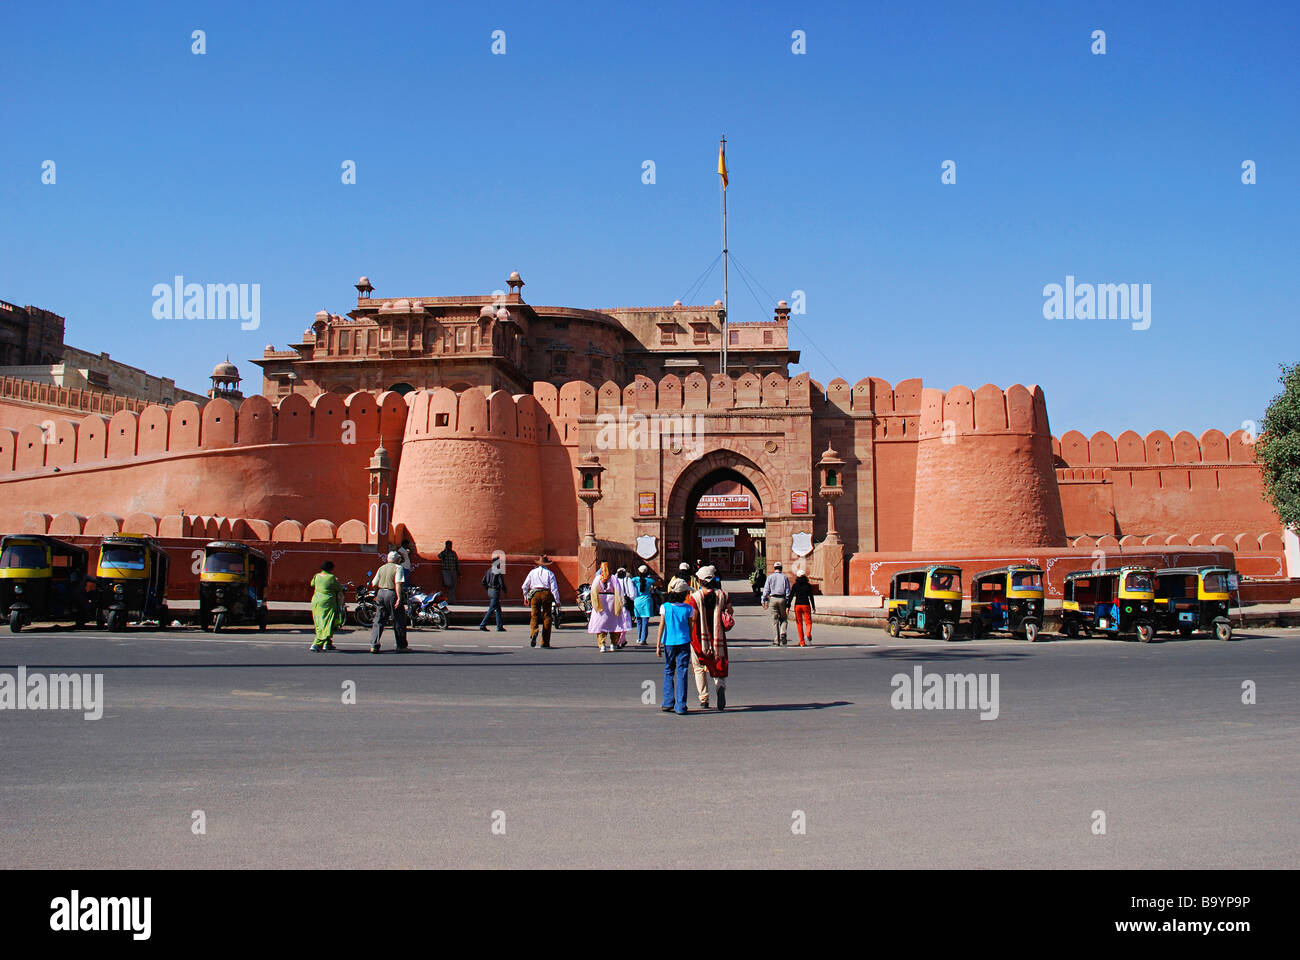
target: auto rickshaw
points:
(1008, 599)
(232, 586)
(927, 600)
(1116, 601)
(130, 581)
(1193, 598)
(42, 578)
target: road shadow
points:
(929, 653)
(769, 707)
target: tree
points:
(1279, 448)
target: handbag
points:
(728, 620)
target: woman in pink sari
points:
(610, 616)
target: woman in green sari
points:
(326, 606)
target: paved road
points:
(477, 729)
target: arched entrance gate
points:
(720, 534)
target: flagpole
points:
(725, 300)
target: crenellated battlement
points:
(990, 410)
(156, 430)
(1079, 453)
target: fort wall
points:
(301, 460)
(1156, 485)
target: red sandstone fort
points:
(588, 434)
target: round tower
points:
(469, 472)
(984, 471)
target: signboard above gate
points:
(724, 501)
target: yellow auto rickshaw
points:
(927, 600)
(42, 578)
(1193, 598)
(232, 586)
(1116, 602)
(1007, 599)
(130, 581)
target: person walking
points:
(802, 604)
(643, 601)
(326, 604)
(607, 609)
(674, 645)
(450, 571)
(541, 593)
(625, 584)
(709, 637)
(388, 581)
(776, 594)
(494, 581)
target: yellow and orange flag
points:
(722, 162)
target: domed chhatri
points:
(225, 382)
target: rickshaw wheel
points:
(116, 620)
(1071, 629)
(975, 630)
(1144, 632)
(15, 622)
(1184, 632)
(1223, 631)
(947, 629)
(261, 623)
(1031, 632)
(893, 628)
(218, 622)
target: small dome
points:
(323, 316)
(781, 305)
(488, 311)
(225, 370)
(363, 282)
(514, 276)
(717, 303)
(677, 303)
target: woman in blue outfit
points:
(643, 587)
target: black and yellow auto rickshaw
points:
(130, 581)
(1008, 599)
(1193, 598)
(927, 600)
(1117, 602)
(232, 586)
(42, 578)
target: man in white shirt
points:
(776, 593)
(541, 592)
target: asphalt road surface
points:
(477, 751)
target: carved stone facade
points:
(500, 342)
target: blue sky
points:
(1117, 168)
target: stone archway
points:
(698, 476)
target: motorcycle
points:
(425, 609)
(584, 598)
(366, 607)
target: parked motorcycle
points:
(584, 598)
(366, 606)
(425, 609)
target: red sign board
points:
(798, 501)
(645, 504)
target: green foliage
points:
(1278, 448)
(760, 570)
